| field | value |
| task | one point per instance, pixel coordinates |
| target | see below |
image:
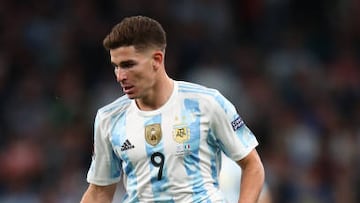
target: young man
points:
(165, 137)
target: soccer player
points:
(165, 137)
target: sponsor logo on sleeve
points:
(237, 123)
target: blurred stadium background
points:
(290, 66)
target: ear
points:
(158, 59)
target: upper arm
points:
(252, 178)
(105, 168)
(96, 193)
(252, 160)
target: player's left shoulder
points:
(197, 90)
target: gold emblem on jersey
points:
(181, 134)
(153, 134)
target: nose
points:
(120, 74)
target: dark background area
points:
(291, 67)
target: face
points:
(134, 70)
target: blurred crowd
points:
(291, 68)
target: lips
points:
(127, 89)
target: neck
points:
(158, 96)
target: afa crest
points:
(181, 134)
(153, 134)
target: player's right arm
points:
(99, 194)
(105, 168)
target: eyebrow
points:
(124, 63)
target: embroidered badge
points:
(181, 133)
(153, 134)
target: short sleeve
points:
(105, 168)
(235, 139)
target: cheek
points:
(145, 75)
(147, 82)
(138, 76)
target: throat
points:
(156, 98)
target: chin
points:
(131, 96)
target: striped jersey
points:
(172, 154)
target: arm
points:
(99, 194)
(265, 196)
(252, 178)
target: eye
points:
(114, 66)
(124, 64)
(127, 64)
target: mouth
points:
(128, 89)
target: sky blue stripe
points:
(132, 181)
(245, 135)
(115, 138)
(118, 133)
(215, 155)
(225, 104)
(198, 92)
(198, 89)
(159, 187)
(192, 162)
(118, 137)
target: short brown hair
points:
(138, 31)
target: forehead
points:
(124, 53)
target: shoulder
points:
(203, 93)
(114, 108)
(197, 89)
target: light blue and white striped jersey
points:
(172, 154)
